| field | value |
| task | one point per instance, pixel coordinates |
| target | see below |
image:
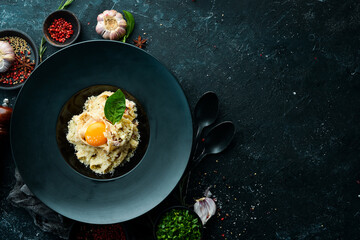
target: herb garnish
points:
(65, 5)
(115, 107)
(130, 24)
(179, 224)
(42, 47)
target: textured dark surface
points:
(286, 72)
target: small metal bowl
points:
(33, 57)
(69, 17)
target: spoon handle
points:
(191, 167)
(196, 141)
(197, 160)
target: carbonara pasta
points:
(98, 143)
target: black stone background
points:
(287, 73)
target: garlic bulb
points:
(205, 207)
(111, 25)
(7, 56)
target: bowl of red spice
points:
(85, 231)
(61, 28)
(25, 61)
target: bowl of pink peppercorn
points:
(61, 28)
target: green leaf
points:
(42, 48)
(115, 107)
(65, 5)
(61, 4)
(130, 21)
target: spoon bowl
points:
(205, 114)
(216, 140)
(219, 137)
(206, 111)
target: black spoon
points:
(216, 140)
(205, 114)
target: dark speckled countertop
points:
(287, 73)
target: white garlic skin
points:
(111, 25)
(205, 208)
(7, 56)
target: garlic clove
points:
(100, 17)
(114, 35)
(118, 15)
(205, 208)
(113, 13)
(106, 34)
(121, 31)
(7, 56)
(109, 13)
(100, 28)
(123, 24)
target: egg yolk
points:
(94, 134)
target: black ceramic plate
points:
(34, 132)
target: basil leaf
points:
(115, 107)
(130, 24)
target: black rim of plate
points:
(31, 43)
(36, 152)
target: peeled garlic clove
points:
(111, 25)
(7, 56)
(205, 208)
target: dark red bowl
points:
(69, 17)
(90, 231)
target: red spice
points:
(222, 219)
(60, 30)
(140, 42)
(101, 232)
(19, 71)
(203, 139)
